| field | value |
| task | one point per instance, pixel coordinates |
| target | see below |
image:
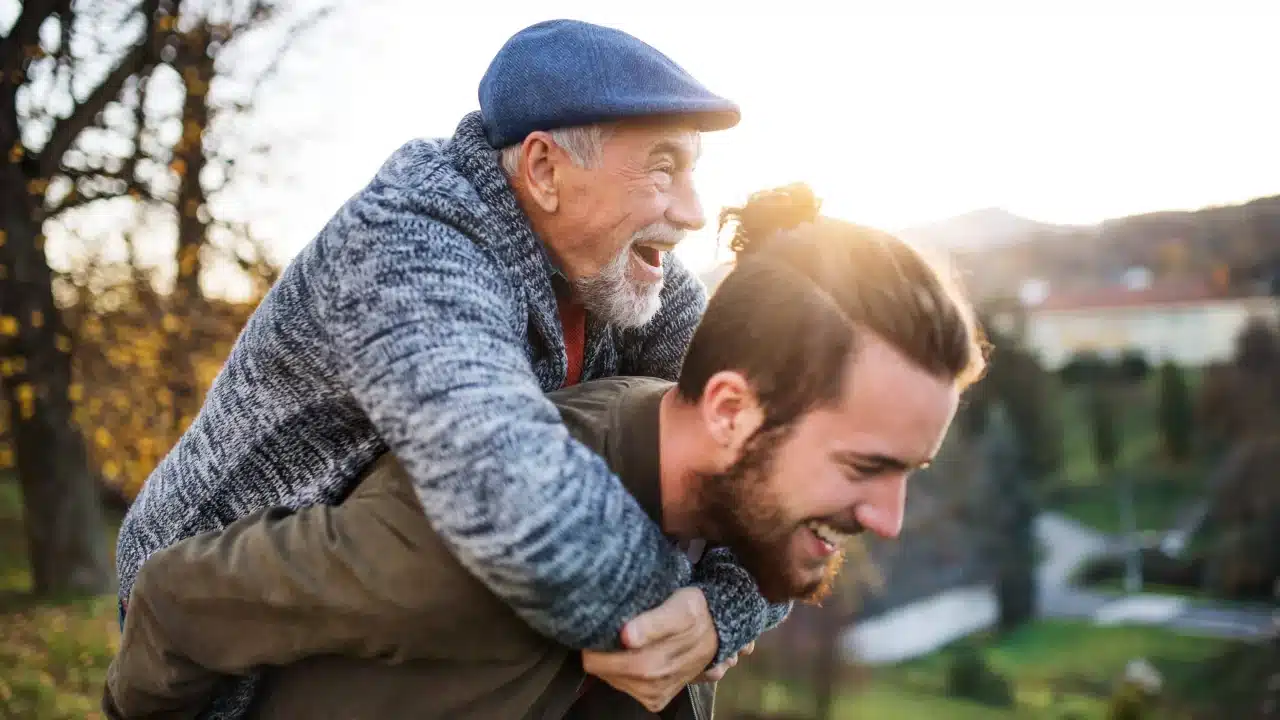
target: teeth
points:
(659, 246)
(828, 534)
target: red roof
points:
(1120, 297)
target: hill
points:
(1236, 247)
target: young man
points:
(828, 366)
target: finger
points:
(655, 663)
(750, 648)
(715, 674)
(612, 664)
(666, 620)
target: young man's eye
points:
(871, 470)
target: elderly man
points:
(777, 443)
(433, 312)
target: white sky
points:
(1106, 109)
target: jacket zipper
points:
(693, 702)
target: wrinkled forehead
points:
(655, 135)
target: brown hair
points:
(813, 285)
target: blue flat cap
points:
(564, 73)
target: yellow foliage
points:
(12, 366)
(139, 374)
(26, 400)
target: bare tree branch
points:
(258, 13)
(81, 196)
(292, 35)
(26, 31)
(68, 129)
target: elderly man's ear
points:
(541, 161)
(731, 413)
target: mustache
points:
(659, 232)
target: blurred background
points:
(1101, 537)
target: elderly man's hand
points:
(668, 647)
(717, 673)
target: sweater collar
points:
(513, 238)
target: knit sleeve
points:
(738, 611)
(422, 332)
(657, 349)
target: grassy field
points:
(53, 655)
(1057, 668)
(1061, 666)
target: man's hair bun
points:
(769, 213)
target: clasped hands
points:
(666, 648)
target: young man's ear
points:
(731, 412)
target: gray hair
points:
(584, 144)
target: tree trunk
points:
(827, 665)
(189, 161)
(64, 524)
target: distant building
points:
(1193, 324)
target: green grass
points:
(53, 655)
(1056, 666)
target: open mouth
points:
(651, 256)
(832, 538)
(650, 252)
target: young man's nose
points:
(882, 510)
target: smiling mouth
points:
(834, 539)
(651, 252)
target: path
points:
(923, 626)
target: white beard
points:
(614, 297)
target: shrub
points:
(971, 678)
(1175, 412)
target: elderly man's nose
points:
(686, 209)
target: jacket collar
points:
(632, 447)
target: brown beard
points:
(739, 511)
